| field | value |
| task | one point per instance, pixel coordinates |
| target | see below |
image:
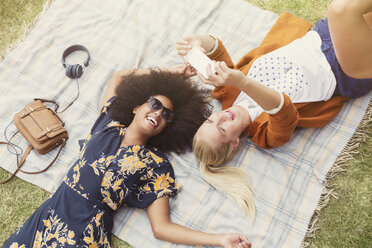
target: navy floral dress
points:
(104, 178)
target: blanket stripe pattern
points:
(138, 34)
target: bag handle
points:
(46, 168)
(54, 112)
(23, 159)
(57, 116)
(50, 101)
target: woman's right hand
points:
(235, 240)
(188, 42)
(202, 41)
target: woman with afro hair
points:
(121, 163)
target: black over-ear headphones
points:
(74, 71)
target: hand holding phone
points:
(199, 61)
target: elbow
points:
(159, 231)
(120, 75)
(273, 143)
(115, 79)
(117, 75)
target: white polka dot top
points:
(298, 69)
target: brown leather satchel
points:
(42, 128)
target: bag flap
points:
(33, 106)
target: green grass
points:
(18, 198)
(344, 222)
(347, 221)
(15, 16)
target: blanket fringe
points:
(28, 29)
(346, 157)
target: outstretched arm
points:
(114, 81)
(267, 98)
(163, 228)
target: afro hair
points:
(190, 106)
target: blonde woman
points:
(295, 78)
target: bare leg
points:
(350, 25)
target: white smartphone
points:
(199, 61)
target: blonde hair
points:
(231, 180)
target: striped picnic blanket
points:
(128, 34)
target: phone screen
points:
(199, 61)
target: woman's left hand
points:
(235, 240)
(185, 69)
(223, 76)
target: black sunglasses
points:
(155, 104)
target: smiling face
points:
(150, 122)
(225, 126)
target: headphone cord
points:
(77, 95)
(11, 144)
